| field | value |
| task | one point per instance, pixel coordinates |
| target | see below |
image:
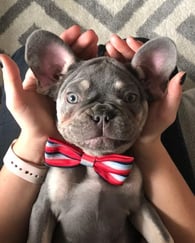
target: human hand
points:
(122, 50)
(162, 113)
(84, 45)
(35, 113)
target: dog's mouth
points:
(103, 145)
(98, 141)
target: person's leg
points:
(8, 126)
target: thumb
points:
(12, 80)
(11, 74)
(175, 91)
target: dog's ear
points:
(154, 63)
(48, 57)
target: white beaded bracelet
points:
(25, 170)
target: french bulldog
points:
(101, 106)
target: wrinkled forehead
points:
(102, 71)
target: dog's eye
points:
(72, 98)
(131, 97)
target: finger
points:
(175, 91)
(11, 75)
(89, 52)
(112, 52)
(12, 83)
(71, 34)
(133, 44)
(166, 108)
(122, 47)
(170, 103)
(85, 40)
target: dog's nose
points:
(102, 114)
(103, 118)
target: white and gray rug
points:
(146, 18)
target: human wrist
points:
(145, 143)
(30, 149)
(28, 171)
(147, 153)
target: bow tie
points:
(113, 168)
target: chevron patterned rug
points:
(146, 18)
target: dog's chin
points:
(103, 145)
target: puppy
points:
(101, 106)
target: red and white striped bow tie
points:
(114, 168)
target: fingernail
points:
(182, 81)
(1, 64)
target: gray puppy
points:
(102, 106)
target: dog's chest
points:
(86, 205)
